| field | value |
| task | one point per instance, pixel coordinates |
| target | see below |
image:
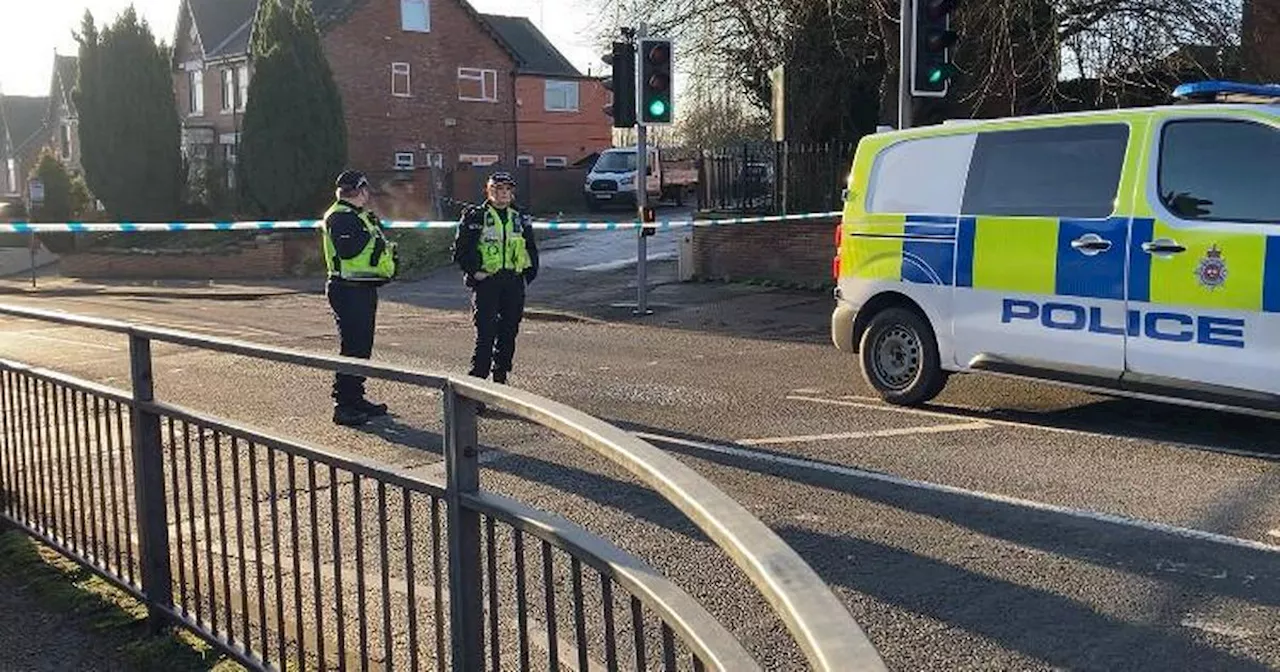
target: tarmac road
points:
(1010, 525)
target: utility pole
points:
(642, 188)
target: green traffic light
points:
(935, 75)
(657, 108)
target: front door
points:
(1204, 290)
(1041, 253)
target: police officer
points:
(496, 251)
(359, 259)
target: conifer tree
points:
(294, 139)
(130, 136)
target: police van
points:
(1134, 252)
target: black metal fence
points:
(287, 556)
(774, 177)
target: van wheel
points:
(900, 357)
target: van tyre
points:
(900, 360)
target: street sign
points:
(36, 188)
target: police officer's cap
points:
(502, 177)
(350, 180)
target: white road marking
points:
(851, 472)
(55, 339)
(623, 263)
(1272, 457)
(875, 434)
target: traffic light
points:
(932, 38)
(656, 104)
(622, 82)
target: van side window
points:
(1069, 171)
(920, 177)
(1220, 170)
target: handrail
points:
(712, 643)
(823, 627)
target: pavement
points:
(1007, 525)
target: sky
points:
(29, 36)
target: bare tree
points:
(1013, 54)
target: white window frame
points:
(435, 159)
(572, 95)
(479, 160)
(195, 93)
(229, 89)
(242, 86)
(13, 174)
(524, 160)
(555, 162)
(64, 141)
(488, 93)
(406, 6)
(404, 161)
(402, 70)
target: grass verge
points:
(112, 618)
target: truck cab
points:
(613, 177)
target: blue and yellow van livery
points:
(1132, 251)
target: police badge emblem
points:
(1212, 271)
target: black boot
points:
(349, 416)
(371, 409)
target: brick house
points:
(421, 80)
(211, 77)
(61, 121)
(28, 124)
(559, 111)
(22, 134)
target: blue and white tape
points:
(130, 227)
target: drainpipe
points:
(515, 126)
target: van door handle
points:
(1163, 246)
(1091, 244)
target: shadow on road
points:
(1038, 623)
(1126, 418)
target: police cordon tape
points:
(548, 225)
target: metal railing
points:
(284, 555)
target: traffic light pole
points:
(642, 193)
(905, 101)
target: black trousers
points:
(355, 309)
(497, 305)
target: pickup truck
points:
(613, 178)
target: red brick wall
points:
(361, 50)
(569, 134)
(280, 255)
(792, 252)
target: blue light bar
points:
(1227, 92)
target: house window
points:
(478, 159)
(228, 90)
(436, 160)
(195, 92)
(561, 96)
(555, 162)
(64, 139)
(230, 143)
(242, 79)
(478, 84)
(400, 79)
(415, 15)
(524, 160)
(13, 175)
(404, 160)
